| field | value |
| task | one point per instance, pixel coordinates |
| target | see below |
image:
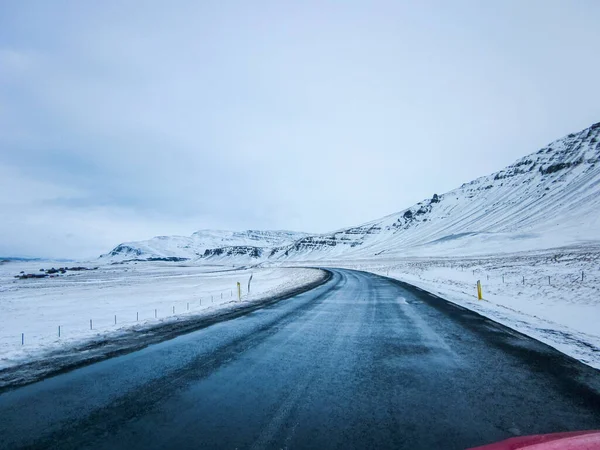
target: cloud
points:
(119, 121)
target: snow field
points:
(139, 295)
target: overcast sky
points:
(125, 120)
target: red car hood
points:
(578, 440)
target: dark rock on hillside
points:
(559, 166)
(167, 259)
(31, 275)
(119, 249)
(253, 252)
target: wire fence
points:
(101, 322)
(560, 279)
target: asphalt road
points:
(359, 362)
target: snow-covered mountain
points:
(249, 243)
(550, 198)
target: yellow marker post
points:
(239, 291)
(479, 294)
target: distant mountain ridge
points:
(195, 246)
(547, 199)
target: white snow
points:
(37, 307)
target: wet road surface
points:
(359, 362)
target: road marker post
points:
(239, 286)
(479, 294)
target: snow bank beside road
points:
(553, 304)
(139, 295)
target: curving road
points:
(359, 362)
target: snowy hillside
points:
(196, 245)
(550, 198)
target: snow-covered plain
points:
(133, 292)
(541, 294)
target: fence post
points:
(22, 338)
(503, 278)
(155, 315)
(548, 280)
(188, 306)
(582, 275)
(137, 316)
(91, 328)
(59, 331)
(523, 279)
(115, 319)
(173, 309)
